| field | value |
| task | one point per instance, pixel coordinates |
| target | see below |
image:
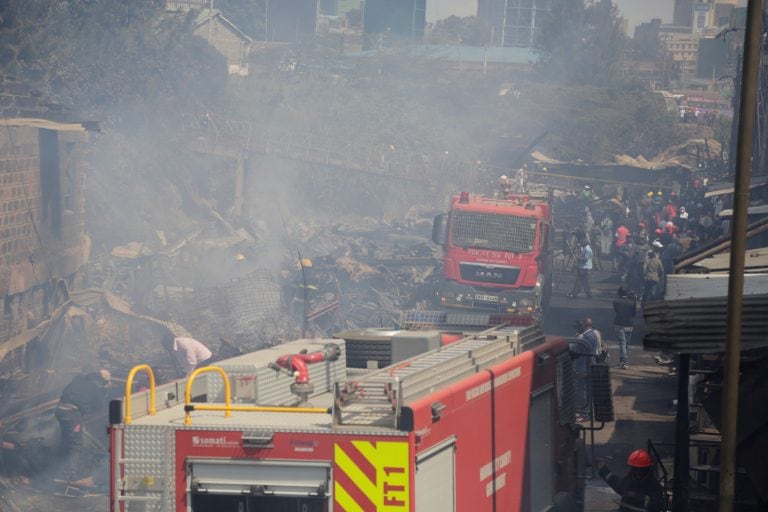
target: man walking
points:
(653, 273)
(583, 268)
(625, 310)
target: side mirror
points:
(439, 229)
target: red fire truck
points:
(484, 423)
(496, 255)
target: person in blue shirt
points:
(583, 268)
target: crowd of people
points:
(640, 236)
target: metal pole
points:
(730, 396)
(305, 311)
(682, 437)
(210, 21)
(504, 23)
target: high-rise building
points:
(514, 22)
(387, 20)
(682, 15)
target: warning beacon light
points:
(464, 197)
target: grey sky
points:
(636, 11)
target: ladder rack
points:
(377, 398)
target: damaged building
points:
(42, 240)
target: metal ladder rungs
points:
(140, 498)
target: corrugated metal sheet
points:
(700, 286)
(755, 260)
(699, 325)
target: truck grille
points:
(493, 232)
(488, 274)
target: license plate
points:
(486, 298)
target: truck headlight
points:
(525, 305)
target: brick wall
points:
(34, 251)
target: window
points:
(492, 231)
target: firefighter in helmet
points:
(639, 489)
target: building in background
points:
(682, 46)
(514, 22)
(329, 7)
(344, 6)
(712, 62)
(228, 40)
(387, 22)
(291, 20)
(682, 15)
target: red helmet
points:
(639, 459)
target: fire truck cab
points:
(496, 255)
(482, 424)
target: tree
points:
(580, 43)
(471, 31)
(102, 57)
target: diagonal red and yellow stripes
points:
(371, 476)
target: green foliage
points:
(100, 56)
(594, 123)
(581, 44)
(471, 31)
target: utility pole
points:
(504, 23)
(266, 20)
(730, 394)
(210, 21)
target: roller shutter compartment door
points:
(540, 458)
(217, 485)
(436, 479)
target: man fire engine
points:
(482, 424)
(496, 254)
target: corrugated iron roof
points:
(700, 286)
(207, 14)
(452, 52)
(699, 325)
(755, 260)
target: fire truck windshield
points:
(493, 231)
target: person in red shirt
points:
(622, 232)
(670, 210)
(620, 252)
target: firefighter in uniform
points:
(639, 489)
(86, 393)
(304, 286)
